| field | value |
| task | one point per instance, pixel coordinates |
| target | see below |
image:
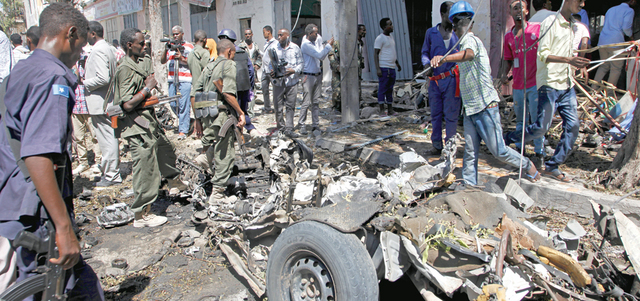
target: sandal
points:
(558, 175)
(533, 175)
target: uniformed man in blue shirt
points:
(35, 174)
(443, 97)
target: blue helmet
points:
(462, 8)
(227, 34)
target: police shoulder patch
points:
(60, 90)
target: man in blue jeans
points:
(444, 96)
(180, 81)
(555, 89)
(386, 61)
(479, 99)
(524, 94)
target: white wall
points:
(329, 29)
(482, 23)
(185, 19)
(260, 12)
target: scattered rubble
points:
(484, 244)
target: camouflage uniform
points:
(334, 62)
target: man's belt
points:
(444, 75)
(492, 105)
(205, 104)
(313, 74)
(453, 72)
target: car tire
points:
(313, 261)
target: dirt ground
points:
(167, 270)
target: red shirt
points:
(516, 54)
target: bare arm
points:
(459, 57)
(376, 59)
(163, 58)
(42, 173)
(130, 105)
(576, 61)
(505, 70)
(231, 100)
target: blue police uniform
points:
(39, 100)
(442, 98)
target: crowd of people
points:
(55, 90)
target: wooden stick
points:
(616, 45)
(605, 113)
(578, 275)
(611, 57)
(604, 84)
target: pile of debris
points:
(481, 243)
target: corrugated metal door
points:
(205, 21)
(372, 12)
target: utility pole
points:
(157, 47)
(347, 24)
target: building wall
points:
(482, 23)
(185, 17)
(229, 14)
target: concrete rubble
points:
(486, 245)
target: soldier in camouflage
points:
(334, 62)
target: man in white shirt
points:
(285, 85)
(19, 52)
(386, 62)
(313, 52)
(618, 23)
(267, 33)
(543, 10)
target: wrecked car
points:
(298, 231)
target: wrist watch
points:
(148, 90)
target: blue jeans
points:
(385, 85)
(550, 100)
(532, 113)
(183, 108)
(485, 126)
(444, 103)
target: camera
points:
(174, 45)
(277, 65)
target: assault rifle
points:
(232, 121)
(116, 111)
(50, 278)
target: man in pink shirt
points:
(523, 94)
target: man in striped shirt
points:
(179, 83)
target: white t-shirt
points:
(580, 31)
(387, 46)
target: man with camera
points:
(285, 66)
(179, 82)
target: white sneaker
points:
(82, 167)
(149, 220)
